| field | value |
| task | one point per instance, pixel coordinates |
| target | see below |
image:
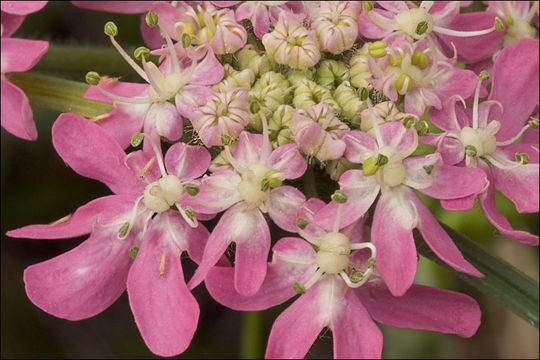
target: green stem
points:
(251, 346)
(310, 186)
(58, 94)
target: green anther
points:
(396, 60)
(298, 288)
(428, 169)
(421, 27)
(301, 223)
(152, 19)
(522, 158)
(470, 151)
(363, 93)
(370, 167)
(509, 20)
(408, 122)
(133, 251)
(499, 24)
(124, 229)
(265, 184)
(422, 127)
(226, 139)
(111, 29)
(420, 59)
(382, 159)
(273, 181)
(484, 75)
(533, 123)
(190, 212)
(339, 196)
(186, 40)
(400, 82)
(367, 5)
(254, 107)
(356, 277)
(140, 52)
(192, 189)
(377, 49)
(371, 263)
(137, 139)
(92, 78)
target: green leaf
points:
(58, 94)
(502, 281)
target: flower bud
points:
(308, 94)
(359, 69)
(336, 25)
(233, 79)
(250, 58)
(279, 125)
(350, 102)
(270, 91)
(331, 73)
(297, 76)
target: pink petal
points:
(22, 7)
(515, 85)
(121, 88)
(16, 60)
(487, 202)
(16, 114)
(451, 149)
(250, 232)
(361, 192)
(368, 29)
(462, 82)
(462, 204)
(84, 281)
(293, 260)
(249, 149)
(394, 240)
(416, 175)
(297, 328)
(78, 224)
(165, 119)
(423, 308)
(209, 71)
(453, 182)
(451, 117)
(288, 160)
(92, 153)
(217, 192)
(191, 98)
(257, 14)
(165, 311)
(151, 35)
(121, 7)
(187, 161)
(396, 135)
(283, 204)
(355, 334)
(439, 241)
(359, 146)
(121, 125)
(10, 23)
(443, 12)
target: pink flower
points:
(248, 191)
(18, 55)
(345, 302)
(518, 16)
(489, 131)
(86, 280)
(336, 25)
(389, 169)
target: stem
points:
(251, 348)
(310, 186)
(58, 94)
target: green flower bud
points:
(339, 196)
(111, 29)
(298, 288)
(522, 158)
(279, 125)
(133, 251)
(296, 76)
(137, 139)
(151, 19)
(370, 167)
(192, 189)
(356, 277)
(270, 91)
(350, 102)
(470, 151)
(499, 24)
(409, 121)
(396, 60)
(309, 93)
(359, 69)
(331, 73)
(377, 49)
(421, 27)
(533, 123)
(421, 127)
(403, 84)
(140, 52)
(301, 223)
(420, 59)
(233, 79)
(92, 78)
(250, 58)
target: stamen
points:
(306, 236)
(374, 124)
(503, 163)
(313, 279)
(129, 100)
(128, 59)
(239, 169)
(514, 139)
(476, 100)
(61, 220)
(459, 33)
(192, 221)
(100, 117)
(172, 50)
(162, 264)
(146, 167)
(131, 218)
(152, 79)
(337, 219)
(378, 20)
(157, 155)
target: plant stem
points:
(251, 348)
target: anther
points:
(484, 75)
(273, 177)
(370, 167)
(408, 121)
(421, 27)
(137, 139)
(470, 151)
(140, 52)
(111, 29)
(533, 123)
(92, 78)
(396, 60)
(133, 252)
(522, 158)
(421, 127)
(301, 223)
(420, 59)
(124, 229)
(186, 40)
(367, 5)
(499, 24)
(298, 288)
(428, 169)
(339, 196)
(377, 49)
(403, 84)
(382, 159)
(192, 189)
(61, 220)
(162, 264)
(190, 212)
(356, 277)
(509, 20)
(151, 19)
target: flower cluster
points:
(252, 95)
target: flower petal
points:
(249, 149)
(454, 182)
(283, 205)
(288, 160)
(360, 146)
(22, 7)
(16, 60)
(187, 161)
(396, 135)
(121, 7)
(16, 117)
(209, 71)
(216, 192)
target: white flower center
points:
(393, 171)
(160, 195)
(250, 188)
(520, 29)
(483, 140)
(333, 254)
(417, 23)
(168, 85)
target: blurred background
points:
(38, 187)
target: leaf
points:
(58, 94)
(502, 281)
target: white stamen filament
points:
(374, 124)
(337, 219)
(153, 82)
(158, 156)
(514, 139)
(365, 245)
(266, 140)
(191, 221)
(146, 222)
(349, 283)
(172, 50)
(239, 169)
(129, 60)
(475, 105)
(510, 165)
(131, 218)
(313, 279)
(129, 100)
(387, 25)
(459, 33)
(306, 236)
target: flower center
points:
(168, 86)
(393, 170)
(251, 187)
(160, 195)
(333, 254)
(520, 29)
(480, 142)
(417, 23)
